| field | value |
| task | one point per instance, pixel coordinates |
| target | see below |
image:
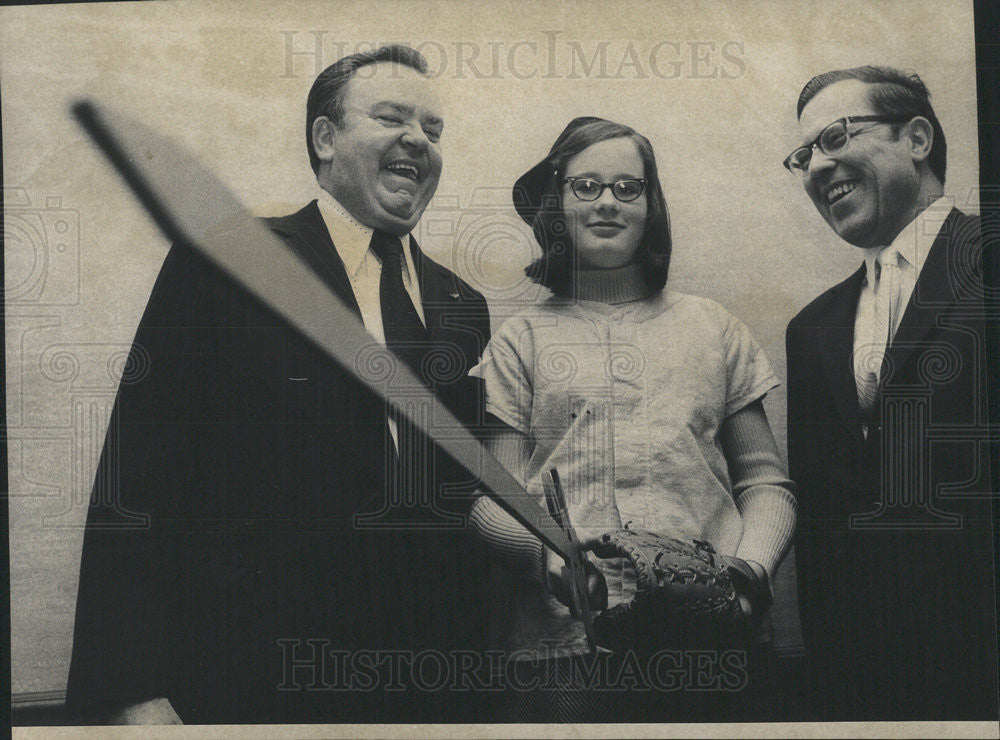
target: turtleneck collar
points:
(613, 286)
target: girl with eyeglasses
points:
(647, 402)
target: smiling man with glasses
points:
(886, 417)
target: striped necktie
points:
(884, 316)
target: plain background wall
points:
(712, 85)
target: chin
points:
(403, 214)
(856, 236)
(852, 230)
(604, 264)
(849, 237)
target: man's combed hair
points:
(326, 97)
(556, 267)
(893, 93)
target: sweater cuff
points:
(513, 545)
(768, 513)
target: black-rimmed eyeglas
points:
(833, 140)
(586, 188)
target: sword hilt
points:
(555, 499)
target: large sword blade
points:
(196, 210)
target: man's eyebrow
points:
(403, 108)
(820, 129)
(394, 105)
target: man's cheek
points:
(818, 203)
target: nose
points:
(819, 163)
(607, 201)
(414, 136)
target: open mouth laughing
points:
(839, 190)
(405, 169)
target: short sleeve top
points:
(626, 402)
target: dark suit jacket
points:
(894, 545)
(241, 544)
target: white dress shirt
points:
(908, 251)
(352, 239)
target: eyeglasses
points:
(586, 188)
(832, 140)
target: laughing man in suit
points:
(265, 542)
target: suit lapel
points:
(306, 233)
(836, 347)
(454, 335)
(932, 295)
(437, 294)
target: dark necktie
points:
(407, 483)
(404, 332)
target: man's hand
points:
(558, 582)
(157, 711)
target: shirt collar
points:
(351, 237)
(916, 239)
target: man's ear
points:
(323, 138)
(920, 137)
